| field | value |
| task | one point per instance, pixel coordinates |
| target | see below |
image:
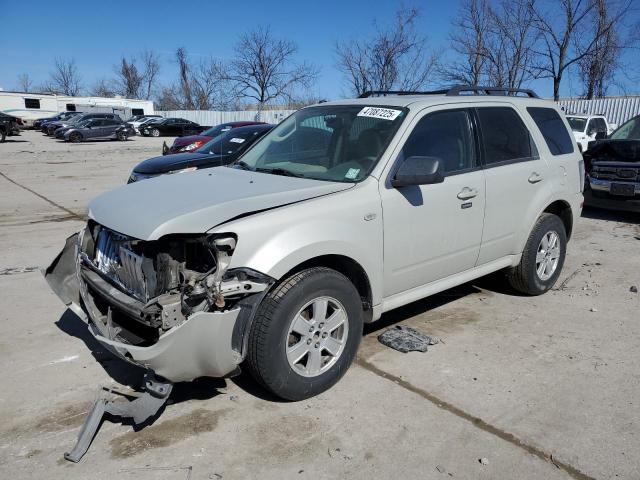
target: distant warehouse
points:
(617, 110)
(31, 106)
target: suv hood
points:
(195, 202)
(177, 161)
(615, 150)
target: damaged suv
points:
(342, 212)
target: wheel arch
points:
(562, 209)
(348, 267)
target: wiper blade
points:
(279, 171)
(243, 165)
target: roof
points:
(420, 101)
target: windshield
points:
(628, 131)
(215, 131)
(577, 124)
(230, 142)
(335, 143)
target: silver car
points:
(342, 212)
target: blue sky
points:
(97, 33)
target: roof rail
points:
(456, 91)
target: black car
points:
(52, 127)
(612, 166)
(8, 126)
(222, 150)
(175, 127)
(40, 122)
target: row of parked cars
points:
(78, 126)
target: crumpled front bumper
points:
(200, 346)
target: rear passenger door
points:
(517, 180)
(110, 126)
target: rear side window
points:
(553, 130)
(445, 135)
(505, 137)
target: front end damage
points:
(169, 305)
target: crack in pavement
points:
(50, 202)
(476, 421)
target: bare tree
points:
(103, 88)
(469, 39)
(395, 57)
(200, 85)
(25, 83)
(561, 27)
(597, 67)
(264, 69)
(65, 78)
(150, 71)
(510, 54)
(137, 78)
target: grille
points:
(119, 263)
(613, 173)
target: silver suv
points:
(342, 212)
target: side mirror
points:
(418, 171)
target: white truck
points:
(587, 128)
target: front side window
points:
(340, 143)
(505, 137)
(628, 131)
(31, 103)
(445, 135)
(553, 130)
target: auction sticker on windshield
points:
(377, 112)
(237, 140)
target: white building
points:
(31, 106)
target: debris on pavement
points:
(593, 309)
(406, 339)
(484, 461)
(633, 289)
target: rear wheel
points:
(3, 135)
(305, 334)
(542, 258)
(75, 137)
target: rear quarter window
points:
(553, 130)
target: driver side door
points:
(434, 231)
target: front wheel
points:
(305, 334)
(155, 132)
(122, 136)
(3, 136)
(75, 137)
(542, 258)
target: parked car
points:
(613, 168)
(171, 126)
(9, 125)
(40, 122)
(222, 150)
(138, 120)
(194, 142)
(52, 127)
(343, 211)
(97, 128)
(587, 128)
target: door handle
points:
(466, 193)
(535, 177)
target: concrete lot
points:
(545, 387)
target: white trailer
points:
(31, 106)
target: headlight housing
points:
(183, 170)
(191, 147)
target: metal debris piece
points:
(633, 289)
(143, 406)
(406, 339)
(484, 461)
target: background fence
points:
(213, 117)
(616, 109)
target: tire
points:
(526, 277)
(122, 136)
(155, 132)
(270, 335)
(3, 136)
(75, 137)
